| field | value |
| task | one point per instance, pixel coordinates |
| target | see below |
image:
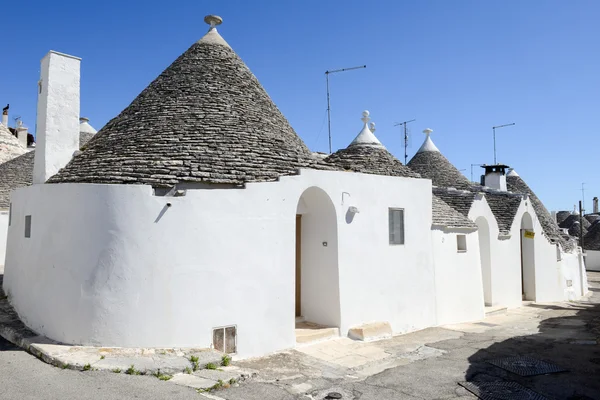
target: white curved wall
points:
(112, 265)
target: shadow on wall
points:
(568, 340)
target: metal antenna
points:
(474, 165)
(494, 129)
(328, 104)
(405, 138)
(583, 195)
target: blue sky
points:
(458, 67)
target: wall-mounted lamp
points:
(168, 204)
(353, 210)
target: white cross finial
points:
(365, 117)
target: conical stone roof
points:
(591, 241)
(572, 219)
(367, 155)
(14, 174)
(445, 216)
(206, 118)
(516, 184)
(10, 147)
(561, 216)
(431, 164)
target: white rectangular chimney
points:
(495, 176)
(22, 135)
(5, 116)
(57, 134)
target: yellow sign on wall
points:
(529, 234)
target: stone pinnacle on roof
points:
(430, 163)
(86, 131)
(367, 155)
(366, 137)
(213, 20)
(428, 143)
(206, 118)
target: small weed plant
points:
(211, 366)
(132, 371)
(225, 360)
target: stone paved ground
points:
(429, 363)
(421, 365)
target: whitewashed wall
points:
(592, 260)
(505, 257)
(3, 234)
(112, 265)
(551, 273)
(459, 292)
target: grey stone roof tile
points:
(504, 206)
(206, 118)
(517, 185)
(591, 241)
(433, 165)
(568, 222)
(370, 160)
(10, 147)
(14, 174)
(561, 216)
(459, 200)
(446, 216)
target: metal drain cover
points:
(525, 366)
(501, 390)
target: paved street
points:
(420, 365)
(24, 377)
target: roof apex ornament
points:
(428, 131)
(213, 20)
(372, 127)
(365, 117)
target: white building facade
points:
(193, 216)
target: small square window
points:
(225, 339)
(461, 243)
(28, 226)
(396, 223)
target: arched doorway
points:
(317, 277)
(483, 230)
(527, 258)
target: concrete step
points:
(371, 331)
(494, 310)
(307, 332)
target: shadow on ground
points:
(568, 338)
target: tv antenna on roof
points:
(328, 104)
(406, 132)
(494, 129)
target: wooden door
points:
(298, 265)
